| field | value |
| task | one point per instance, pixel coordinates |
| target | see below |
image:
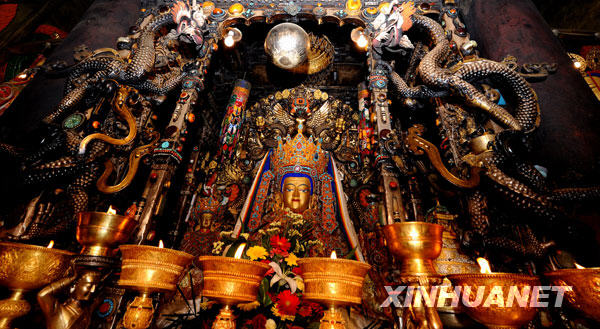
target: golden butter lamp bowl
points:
(333, 283)
(26, 267)
(152, 269)
(100, 233)
(230, 281)
(417, 244)
(494, 316)
(584, 294)
(149, 269)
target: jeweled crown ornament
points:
(299, 156)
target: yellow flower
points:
(291, 260)
(256, 252)
(248, 306)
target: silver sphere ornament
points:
(287, 44)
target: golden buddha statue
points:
(297, 178)
(75, 312)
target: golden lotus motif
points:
(230, 281)
(494, 316)
(333, 283)
(584, 294)
(100, 233)
(26, 267)
(149, 269)
(417, 244)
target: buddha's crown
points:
(299, 155)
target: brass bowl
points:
(152, 269)
(100, 233)
(230, 280)
(494, 316)
(417, 244)
(584, 294)
(28, 267)
(333, 282)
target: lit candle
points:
(239, 251)
(161, 244)
(333, 255)
(579, 267)
(51, 244)
(484, 266)
(111, 210)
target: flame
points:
(484, 266)
(579, 267)
(51, 244)
(161, 244)
(111, 210)
(239, 251)
(333, 255)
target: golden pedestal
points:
(333, 283)
(493, 316)
(230, 281)
(148, 269)
(26, 267)
(584, 294)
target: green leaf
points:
(263, 293)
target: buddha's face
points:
(206, 220)
(296, 193)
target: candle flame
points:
(111, 210)
(333, 255)
(161, 244)
(239, 251)
(51, 244)
(484, 266)
(579, 267)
